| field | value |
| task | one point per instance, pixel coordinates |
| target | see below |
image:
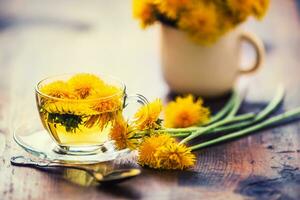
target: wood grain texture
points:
(41, 38)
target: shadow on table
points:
(83, 179)
(121, 191)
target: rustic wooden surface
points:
(41, 38)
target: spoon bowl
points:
(113, 177)
(117, 176)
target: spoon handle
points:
(115, 176)
(23, 161)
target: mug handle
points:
(258, 46)
(137, 98)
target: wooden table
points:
(41, 38)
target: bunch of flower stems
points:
(232, 124)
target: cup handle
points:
(137, 98)
(258, 46)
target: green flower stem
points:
(179, 130)
(268, 122)
(236, 105)
(225, 109)
(180, 134)
(263, 114)
(233, 127)
(211, 127)
(260, 116)
(183, 132)
(171, 130)
(239, 118)
(230, 118)
(141, 135)
(274, 103)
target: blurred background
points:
(40, 38)
(44, 38)
(62, 36)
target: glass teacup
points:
(80, 124)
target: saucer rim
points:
(42, 155)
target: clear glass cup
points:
(82, 126)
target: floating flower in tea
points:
(81, 103)
(58, 89)
(85, 84)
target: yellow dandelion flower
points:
(149, 147)
(58, 89)
(172, 8)
(244, 8)
(148, 116)
(107, 99)
(85, 84)
(260, 8)
(144, 11)
(227, 23)
(201, 23)
(185, 112)
(107, 91)
(175, 156)
(123, 135)
(68, 107)
(101, 120)
(241, 7)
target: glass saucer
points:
(36, 141)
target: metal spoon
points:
(115, 176)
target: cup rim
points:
(122, 86)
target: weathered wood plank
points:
(41, 38)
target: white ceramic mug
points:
(207, 71)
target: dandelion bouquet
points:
(163, 143)
(76, 111)
(203, 20)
